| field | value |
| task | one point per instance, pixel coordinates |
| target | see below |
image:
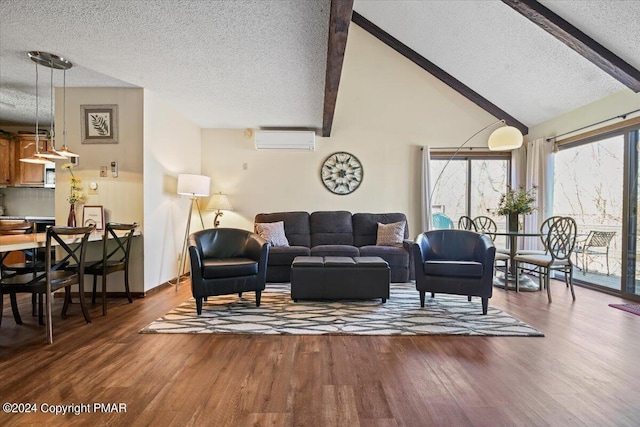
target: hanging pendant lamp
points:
(36, 158)
(52, 153)
(64, 150)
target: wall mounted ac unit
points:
(285, 140)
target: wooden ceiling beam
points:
(339, 21)
(568, 34)
(437, 72)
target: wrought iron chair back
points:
(466, 223)
(486, 225)
(561, 238)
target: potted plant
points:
(516, 202)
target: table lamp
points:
(218, 203)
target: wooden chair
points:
(113, 259)
(560, 242)
(13, 263)
(60, 272)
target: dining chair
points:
(13, 263)
(62, 269)
(466, 223)
(486, 225)
(116, 251)
(560, 242)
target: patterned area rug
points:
(630, 308)
(400, 315)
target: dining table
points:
(507, 279)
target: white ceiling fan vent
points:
(285, 140)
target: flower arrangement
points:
(75, 189)
(518, 201)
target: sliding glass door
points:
(596, 183)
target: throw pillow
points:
(272, 232)
(391, 234)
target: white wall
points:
(606, 108)
(387, 108)
(121, 197)
(171, 146)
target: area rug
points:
(400, 315)
(630, 308)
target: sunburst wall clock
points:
(341, 173)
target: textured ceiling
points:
(506, 58)
(225, 64)
(262, 63)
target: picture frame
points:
(99, 124)
(93, 214)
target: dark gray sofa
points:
(334, 233)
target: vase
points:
(513, 222)
(71, 221)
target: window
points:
(470, 184)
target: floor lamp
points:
(193, 186)
(505, 138)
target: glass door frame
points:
(631, 169)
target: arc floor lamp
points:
(504, 138)
(193, 186)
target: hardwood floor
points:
(583, 372)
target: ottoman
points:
(331, 277)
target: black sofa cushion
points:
(331, 228)
(365, 226)
(296, 226)
(284, 255)
(393, 255)
(335, 250)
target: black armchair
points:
(454, 262)
(227, 261)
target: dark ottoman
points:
(331, 277)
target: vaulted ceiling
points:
(263, 63)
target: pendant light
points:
(64, 150)
(36, 158)
(55, 62)
(51, 152)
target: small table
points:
(508, 280)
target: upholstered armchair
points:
(454, 262)
(227, 261)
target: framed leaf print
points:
(99, 124)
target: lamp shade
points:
(219, 202)
(505, 138)
(193, 185)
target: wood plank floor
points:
(583, 372)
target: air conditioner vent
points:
(285, 140)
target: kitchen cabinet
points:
(6, 162)
(28, 174)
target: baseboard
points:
(151, 291)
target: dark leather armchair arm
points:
(257, 249)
